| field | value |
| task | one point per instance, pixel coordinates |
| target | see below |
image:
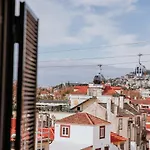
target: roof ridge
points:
(88, 117)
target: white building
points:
(82, 131)
(145, 93)
(76, 99)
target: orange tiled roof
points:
(116, 87)
(132, 94)
(45, 133)
(80, 90)
(148, 119)
(147, 126)
(83, 118)
(13, 123)
(88, 148)
(141, 101)
(109, 90)
(44, 92)
(115, 138)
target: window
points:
(106, 148)
(102, 132)
(120, 123)
(78, 108)
(138, 121)
(65, 131)
(122, 146)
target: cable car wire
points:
(90, 58)
(94, 47)
(88, 65)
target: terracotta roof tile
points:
(88, 148)
(84, 119)
(148, 119)
(45, 133)
(132, 94)
(147, 126)
(80, 90)
(116, 87)
(13, 123)
(109, 90)
(141, 101)
(115, 138)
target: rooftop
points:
(80, 90)
(141, 101)
(115, 138)
(83, 119)
(53, 101)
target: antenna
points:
(100, 67)
(140, 58)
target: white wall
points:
(61, 115)
(101, 143)
(78, 134)
(121, 99)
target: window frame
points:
(120, 123)
(63, 129)
(100, 132)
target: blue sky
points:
(82, 24)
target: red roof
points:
(109, 90)
(44, 92)
(115, 138)
(80, 90)
(83, 118)
(45, 133)
(13, 123)
(88, 148)
(148, 119)
(141, 101)
(147, 126)
(116, 87)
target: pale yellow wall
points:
(96, 110)
(86, 104)
(45, 145)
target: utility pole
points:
(100, 67)
(140, 58)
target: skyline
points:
(81, 24)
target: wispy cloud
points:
(101, 24)
(56, 19)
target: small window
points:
(78, 108)
(122, 146)
(120, 123)
(138, 121)
(64, 131)
(102, 132)
(106, 148)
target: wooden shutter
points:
(27, 78)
